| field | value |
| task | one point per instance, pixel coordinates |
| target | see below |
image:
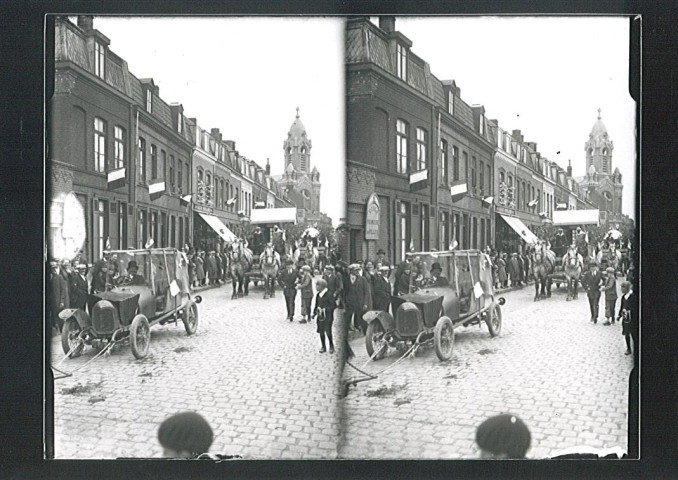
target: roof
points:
(297, 129)
(598, 128)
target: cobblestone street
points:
(257, 378)
(564, 376)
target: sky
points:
(247, 76)
(545, 76)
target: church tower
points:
(300, 180)
(603, 184)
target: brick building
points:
(410, 138)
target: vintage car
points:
(131, 303)
(460, 295)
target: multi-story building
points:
(410, 139)
(115, 145)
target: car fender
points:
(80, 316)
(382, 317)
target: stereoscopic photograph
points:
(362, 238)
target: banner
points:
(372, 214)
(418, 180)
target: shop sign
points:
(372, 212)
(203, 209)
(504, 210)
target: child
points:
(324, 313)
(628, 311)
(503, 436)
(306, 287)
(185, 435)
(610, 288)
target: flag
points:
(458, 190)
(533, 203)
(411, 245)
(108, 243)
(488, 201)
(231, 201)
(156, 190)
(186, 200)
(453, 245)
(149, 243)
(418, 180)
(116, 178)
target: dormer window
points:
(180, 123)
(450, 102)
(481, 127)
(99, 60)
(401, 61)
(149, 100)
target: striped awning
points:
(218, 226)
(521, 229)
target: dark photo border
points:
(22, 176)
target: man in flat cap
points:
(79, 287)
(335, 285)
(381, 293)
(288, 281)
(592, 281)
(358, 298)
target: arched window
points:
(303, 159)
(200, 175)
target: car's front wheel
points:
(191, 319)
(140, 336)
(69, 338)
(374, 340)
(443, 338)
(493, 319)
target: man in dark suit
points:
(58, 289)
(335, 285)
(78, 289)
(133, 277)
(628, 316)
(381, 291)
(288, 281)
(358, 298)
(592, 281)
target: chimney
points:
(387, 23)
(268, 167)
(230, 144)
(569, 168)
(532, 145)
(86, 22)
(216, 134)
(517, 136)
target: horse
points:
(612, 257)
(269, 261)
(572, 266)
(543, 262)
(310, 255)
(240, 262)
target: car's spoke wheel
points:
(374, 340)
(443, 338)
(493, 320)
(191, 319)
(140, 336)
(69, 338)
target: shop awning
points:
(218, 226)
(520, 228)
(575, 217)
(273, 215)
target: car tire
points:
(493, 320)
(69, 337)
(190, 319)
(140, 336)
(374, 332)
(443, 338)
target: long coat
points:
(306, 285)
(211, 264)
(501, 270)
(288, 281)
(335, 285)
(514, 269)
(199, 268)
(358, 294)
(381, 293)
(592, 282)
(78, 297)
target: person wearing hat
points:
(381, 289)
(211, 267)
(200, 268)
(133, 277)
(437, 279)
(503, 436)
(501, 270)
(334, 284)
(628, 315)
(610, 288)
(514, 270)
(79, 287)
(323, 312)
(185, 435)
(288, 281)
(58, 295)
(306, 287)
(358, 298)
(592, 281)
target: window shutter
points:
(433, 211)
(415, 209)
(113, 207)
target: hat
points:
(381, 252)
(329, 267)
(354, 266)
(436, 266)
(505, 435)
(384, 268)
(609, 270)
(186, 431)
(81, 265)
(306, 268)
(132, 264)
